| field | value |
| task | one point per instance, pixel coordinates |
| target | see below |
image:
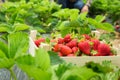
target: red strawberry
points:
(72, 43)
(98, 54)
(37, 42)
(53, 40)
(104, 49)
(57, 47)
(86, 36)
(60, 41)
(74, 49)
(60, 54)
(84, 46)
(67, 38)
(65, 50)
(70, 55)
(111, 54)
(117, 28)
(96, 43)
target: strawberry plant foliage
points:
(30, 14)
(83, 24)
(109, 7)
(42, 59)
(55, 59)
(14, 47)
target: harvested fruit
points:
(67, 38)
(84, 46)
(65, 50)
(38, 41)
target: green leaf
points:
(4, 48)
(81, 73)
(99, 18)
(17, 44)
(96, 67)
(2, 54)
(82, 16)
(6, 63)
(40, 30)
(63, 25)
(4, 28)
(42, 59)
(104, 26)
(54, 58)
(75, 13)
(35, 73)
(109, 27)
(25, 60)
(20, 27)
(65, 31)
(62, 68)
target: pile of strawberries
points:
(88, 46)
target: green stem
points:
(12, 74)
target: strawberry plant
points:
(109, 7)
(35, 15)
(15, 52)
(83, 25)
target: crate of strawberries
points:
(81, 49)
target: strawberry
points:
(70, 55)
(86, 36)
(57, 47)
(117, 28)
(67, 38)
(65, 50)
(84, 46)
(60, 41)
(60, 54)
(37, 42)
(72, 43)
(98, 54)
(96, 43)
(53, 41)
(74, 49)
(111, 54)
(104, 49)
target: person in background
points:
(2, 0)
(78, 4)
